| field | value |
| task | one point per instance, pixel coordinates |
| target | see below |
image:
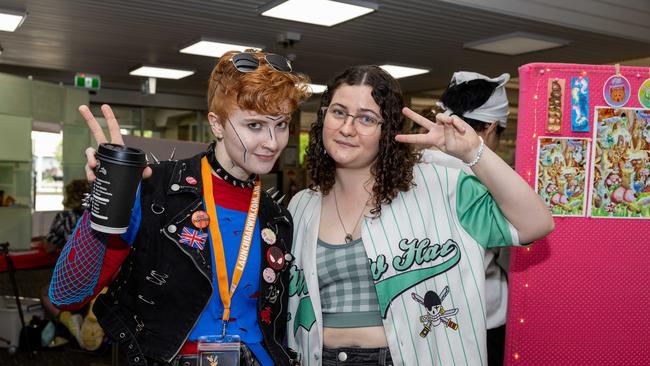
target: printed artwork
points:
(555, 93)
(616, 91)
(620, 185)
(436, 314)
(562, 174)
(644, 94)
(580, 104)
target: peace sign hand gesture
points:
(100, 138)
(450, 134)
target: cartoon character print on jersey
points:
(436, 313)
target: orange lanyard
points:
(217, 242)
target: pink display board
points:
(581, 296)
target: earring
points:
(219, 138)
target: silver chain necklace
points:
(348, 236)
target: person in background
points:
(388, 245)
(430, 114)
(482, 103)
(65, 221)
(207, 251)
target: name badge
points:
(219, 350)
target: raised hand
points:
(100, 138)
(450, 134)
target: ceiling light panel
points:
(517, 43)
(209, 48)
(402, 71)
(10, 20)
(161, 72)
(320, 12)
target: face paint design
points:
(251, 142)
(240, 140)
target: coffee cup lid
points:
(122, 154)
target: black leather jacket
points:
(163, 286)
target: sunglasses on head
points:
(249, 62)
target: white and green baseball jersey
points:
(495, 263)
(426, 254)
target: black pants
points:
(357, 357)
(496, 342)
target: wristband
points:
(479, 153)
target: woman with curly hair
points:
(388, 246)
(205, 257)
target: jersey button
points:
(343, 356)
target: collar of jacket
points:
(184, 172)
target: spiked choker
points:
(223, 174)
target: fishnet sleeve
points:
(79, 266)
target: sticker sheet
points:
(562, 174)
(620, 165)
(555, 93)
(580, 104)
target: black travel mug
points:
(118, 174)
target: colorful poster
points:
(580, 104)
(644, 94)
(620, 186)
(555, 93)
(562, 174)
(616, 91)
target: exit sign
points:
(87, 81)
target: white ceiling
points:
(109, 37)
(620, 18)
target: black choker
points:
(223, 174)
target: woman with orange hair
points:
(208, 251)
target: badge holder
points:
(221, 350)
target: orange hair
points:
(265, 90)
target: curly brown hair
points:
(393, 166)
(264, 90)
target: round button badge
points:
(268, 236)
(275, 258)
(644, 94)
(616, 91)
(269, 275)
(200, 219)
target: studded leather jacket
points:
(163, 286)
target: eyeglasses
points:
(365, 122)
(249, 62)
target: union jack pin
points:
(193, 238)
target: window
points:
(48, 172)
